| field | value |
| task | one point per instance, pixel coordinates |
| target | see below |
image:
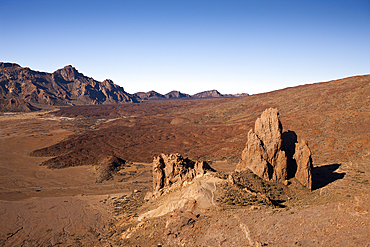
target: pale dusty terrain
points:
(43, 207)
(65, 207)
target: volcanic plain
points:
(49, 163)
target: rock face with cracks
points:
(274, 155)
(303, 158)
(173, 170)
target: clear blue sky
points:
(233, 46)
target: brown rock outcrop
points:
(273, 155)
(172, 170)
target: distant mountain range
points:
(153, 95)
(22, 88)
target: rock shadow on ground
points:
(324, 175)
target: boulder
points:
(274, 155)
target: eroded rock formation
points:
(274, 155)
(173, 170)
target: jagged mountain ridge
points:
(67, 86)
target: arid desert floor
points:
(66, 207)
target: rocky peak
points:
(149, 95)
(108, 81)
(108, 84)
(154, 94)
(276, 156)
(68, 73)
(176, 94)
(9, 65)
(208, 94)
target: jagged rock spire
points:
(273, 155)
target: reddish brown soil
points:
(333, 116)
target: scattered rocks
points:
(276, 156)
(127, 205)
